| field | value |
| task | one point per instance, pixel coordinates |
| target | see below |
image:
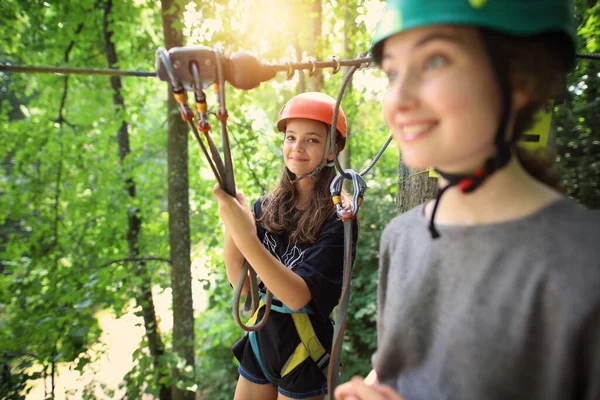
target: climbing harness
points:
(309, 346)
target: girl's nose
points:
(402, 94)
(299, 146)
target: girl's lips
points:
(410, 132)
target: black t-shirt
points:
(321, 267)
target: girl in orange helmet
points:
(295, 242)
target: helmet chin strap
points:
(469, 182)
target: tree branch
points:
(61, 119)
(134, 260)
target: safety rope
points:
(347, 215)
(222, 169)
(338, 167)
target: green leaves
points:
(64, 202)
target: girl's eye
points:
(289, 137)
(391, 75)
(436, 61)
(313, 141)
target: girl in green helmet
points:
(492, 290)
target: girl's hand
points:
(236, 215)
(357, 389)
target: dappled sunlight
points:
(120, 338)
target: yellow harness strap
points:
(254, 317)
(309, 346)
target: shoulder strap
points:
(258, 207)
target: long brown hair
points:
(538, 65)
(280, 212)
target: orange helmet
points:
(312, 105)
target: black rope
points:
(336, 111)
(333, 376)
(347, 79)
(588, 56)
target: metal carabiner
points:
(359, 187)
(165, 59)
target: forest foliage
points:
(64, 202)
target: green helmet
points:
(513, 17)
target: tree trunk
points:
(301, 80)
(414, 188)
(134, 222)
(179, 220)
(315, 44)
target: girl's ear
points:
(524, 90)
(520, 98)
(330, 156)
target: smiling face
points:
(303, 145)
(442, 102)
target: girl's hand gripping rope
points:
(236, 215)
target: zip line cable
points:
(285, 67)
(308, 64)
(74, 71)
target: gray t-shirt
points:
(507, 310)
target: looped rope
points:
(252, 297)
(332, 134)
